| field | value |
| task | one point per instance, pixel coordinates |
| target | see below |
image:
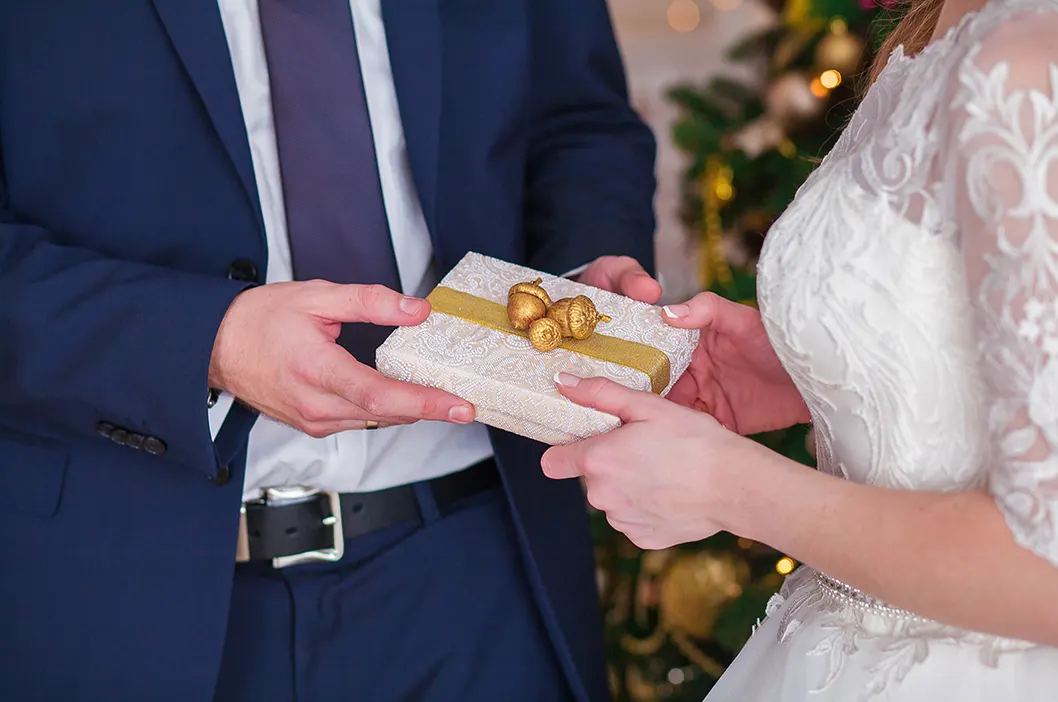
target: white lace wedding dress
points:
(911, 290)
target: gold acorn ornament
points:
(526, 303)
(523, 309)
(576, 316)
(545, 334)
(532, 288)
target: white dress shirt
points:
(353, 461)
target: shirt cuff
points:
(575, 272)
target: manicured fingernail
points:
(675, 311)
(567, 380)
(461, 413)
(410, 305)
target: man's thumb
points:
(371, 304)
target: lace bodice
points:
(911, 289)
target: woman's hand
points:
(734, 375)
(666, 476)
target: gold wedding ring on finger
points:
(370, 425)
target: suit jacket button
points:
(154, 446)
(105, 429)
(135, 440)
(243, 270)
(119, 436)
(223, 476)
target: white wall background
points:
(656, 58)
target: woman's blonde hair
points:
(913, 31)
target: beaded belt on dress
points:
(859, 599)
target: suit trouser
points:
(439, 611)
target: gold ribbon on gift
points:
(487, 313)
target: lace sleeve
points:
(1002, 160)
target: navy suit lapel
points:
(413, 33)
(197, 33)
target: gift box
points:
(469, 347)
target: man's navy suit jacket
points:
(127, 192)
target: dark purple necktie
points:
(336, 221)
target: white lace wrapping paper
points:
(510, 382)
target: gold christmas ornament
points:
(523, 309)
(526, 303)
(790, 100)
(576, 316)
(529, 307)
(532, 288)
(839, 50)
(758, 136)
(696, 587)
(545, 334)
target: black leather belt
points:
(298, 525)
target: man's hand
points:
(622, 275)
(276, 351)
(734, 375)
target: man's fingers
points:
(626, 276)
(630, 279)
(380, 397)
(607, 396)
(710, 311)
(391, 398)
(324, 409)
(320, 431)
(623, 275)
(363, 425)
(319, 412)
(372, 304)
(640, 286)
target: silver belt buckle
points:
(295, 495)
